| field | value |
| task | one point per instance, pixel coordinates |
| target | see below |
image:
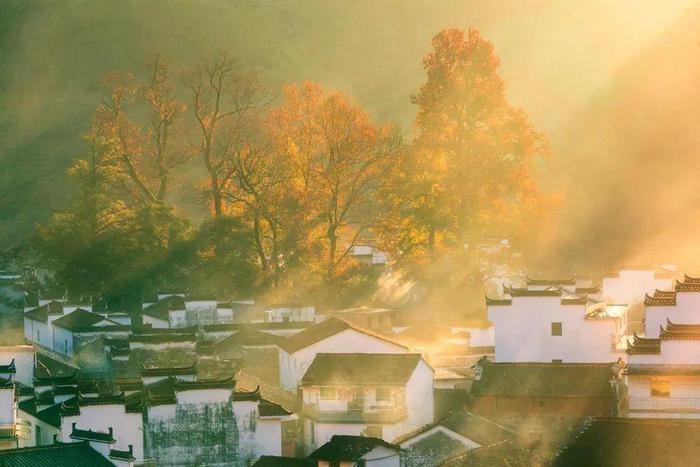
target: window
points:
(312, 433)
(65, 344)
(660, 387)
(37, 435)
(556, 360)
(383, 394)
(373, 431)
(37, 336)
(328, 393)
(556, 329)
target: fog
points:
(588, 74)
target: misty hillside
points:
(631, 162)
(54, 54)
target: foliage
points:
(467, 180)
(293, 188)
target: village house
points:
(173, 310)
(284, 313)
(663, 373)
(352, 451)
(373, 394)
(375, 319)
(679, 304)
(67, 329)
(370, 255)
(448, 437)
(551, 324)
(332, 335)
(631, 285)
(545, 389)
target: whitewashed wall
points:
(523, 332)
(631, 285)
(128, 427)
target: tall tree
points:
(471, 164)
(139, 122)
(223, 96)
(339, 158)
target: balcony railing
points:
(367, 415)
(665, 407)
(8, 430)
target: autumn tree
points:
(338, 158)
(472, 161)
(223, 97)
(139, 123)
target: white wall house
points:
(449, 437)
(381, 395)
(630, 285)
(352, 451)
(66, 328)
(100, 414)
(663, 373)
(550, 325)
(330, 336)
(37, 323)
(229, 426)
(23, 358)
(287, 313)
(680, 306)
(8, 411)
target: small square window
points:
(373, 431)
(556, 329)
(660, 387)
(328, 393)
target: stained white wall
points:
(523, 332)
(128, 427)
(62, 340)
(38, 332)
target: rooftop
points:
(80, 320)
(349, 448)
(478, 429)
(324, 330)
(278, 461)
(56, 455)
(544, 379)
(361, 368)
(89, 435)
(623, 442)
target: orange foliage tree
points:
(339, 159)
(224, 97)
(137, 126)
(468, 176)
